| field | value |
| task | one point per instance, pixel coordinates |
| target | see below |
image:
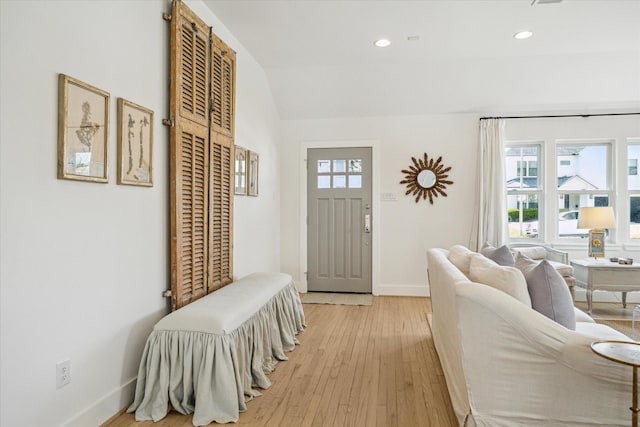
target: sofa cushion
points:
(501, 255)
(460, 256)
(507, 279)
(548, 291)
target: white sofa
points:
(507, 365)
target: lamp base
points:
(596, 243)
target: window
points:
(633, 186)
(524, 189)
(527, 168)
(539, 210)
(582, 183)
(336, 176)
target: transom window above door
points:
(339, 174)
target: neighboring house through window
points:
(524, 189)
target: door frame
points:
(375, 204)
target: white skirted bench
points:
(207, 357)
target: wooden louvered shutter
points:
(202, 103)
(222, 164)
(221, 211)
(192, 59)
(189, 163)
(223, 87)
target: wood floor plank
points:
(354, 366)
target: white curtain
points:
(490, 219)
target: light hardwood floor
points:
(355, 366)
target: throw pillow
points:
(501, 255)
(507, 279)
(460, 256)
(549, 292)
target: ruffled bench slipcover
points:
(206, 357)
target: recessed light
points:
(521, 35)
(382, 42)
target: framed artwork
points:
(252, 173)
(135, 144)
(83, 131)
(241, 171)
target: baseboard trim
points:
(113, 418)
(300, 285)
(106, 408)
(403, 290)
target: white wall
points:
(83, 265)
(406, 229)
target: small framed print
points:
(240, 170)
(83, 131)
(596, 243)
(252, 173)
(135, 144)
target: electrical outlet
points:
(63, 373)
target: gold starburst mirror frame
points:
(426, 178)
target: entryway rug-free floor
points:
(336, 298)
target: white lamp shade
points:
(598, 217)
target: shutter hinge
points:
(194, 27)
(168, 122)
(166, 16)
(167, 293)
(212, 106)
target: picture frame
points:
(253, 173)
(135, 144)
(83, 131)
(240, 170)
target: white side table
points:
(603, 275)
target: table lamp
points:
(597, 219)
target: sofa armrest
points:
(522, 368)
(551, 254)
(557, 255)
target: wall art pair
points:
(246, 170)
(83, 136)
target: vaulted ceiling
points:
(446, 56)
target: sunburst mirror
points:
(426, 178)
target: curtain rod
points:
(562, 115)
